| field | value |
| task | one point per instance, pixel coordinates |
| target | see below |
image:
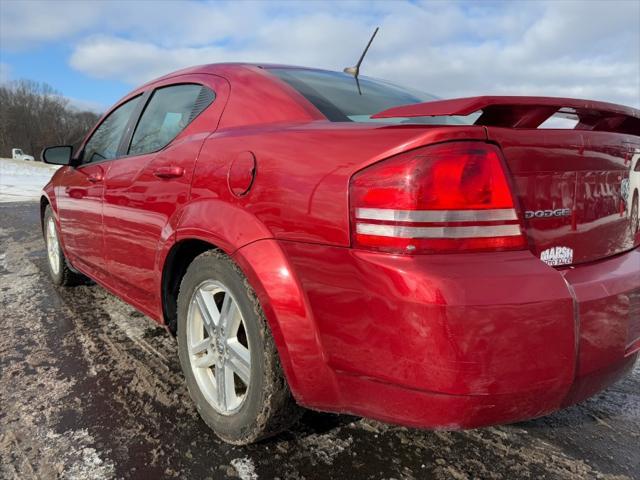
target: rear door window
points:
(168, 112)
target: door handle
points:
(95, 177)
(168, 172)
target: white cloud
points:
(29, 22)
(86, 105)
(176, 23)
(586, 49)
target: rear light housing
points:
(449, 197)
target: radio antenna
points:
(355, 71)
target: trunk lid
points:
(573, 187)
(576, 187)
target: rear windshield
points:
(337, 97)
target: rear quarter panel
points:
(301, 186)
(300, 193)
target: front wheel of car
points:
(228, 355)
(59, 269)
(635, 216)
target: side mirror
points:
(58, 155)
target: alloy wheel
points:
(53, 246)
(218, 347)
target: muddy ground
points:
(90, 388)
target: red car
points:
(360, 248)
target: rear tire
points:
(228, 355)
(59, 269)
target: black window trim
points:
(123, 147)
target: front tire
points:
(635, 220)
(59, 270)
(228, 355)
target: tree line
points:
(33, 115)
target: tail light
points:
(449, 197)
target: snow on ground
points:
(22, 181)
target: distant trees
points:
(33, 115)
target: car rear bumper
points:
(465, 340)
(422, 409)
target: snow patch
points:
(80, 460)
(325, 447)
(245, 468)
(21, 180)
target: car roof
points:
(228, 69)
(239, 73)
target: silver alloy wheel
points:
(53, 247)
(218, 347)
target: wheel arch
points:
(201, 225)
(210, 223)
(286, 307)
(177, 260)
(282, 300)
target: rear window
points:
(337, 97)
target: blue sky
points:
(48, 63)
(95, 51)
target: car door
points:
(145, 188)
(81, 188)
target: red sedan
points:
(360, 248)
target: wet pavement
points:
(90, 388)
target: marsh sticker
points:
(557, 256)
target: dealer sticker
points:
(555, 256)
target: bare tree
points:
(33, 115)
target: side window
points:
(168, 112)
(103, 144)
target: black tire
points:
(61, 275)
(268, 406)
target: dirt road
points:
(89, 388)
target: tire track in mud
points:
(89, 388)
(33, 385)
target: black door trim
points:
(125, 141)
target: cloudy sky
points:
(96, 51)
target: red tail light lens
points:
(449, 197)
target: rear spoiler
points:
(526, 112)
